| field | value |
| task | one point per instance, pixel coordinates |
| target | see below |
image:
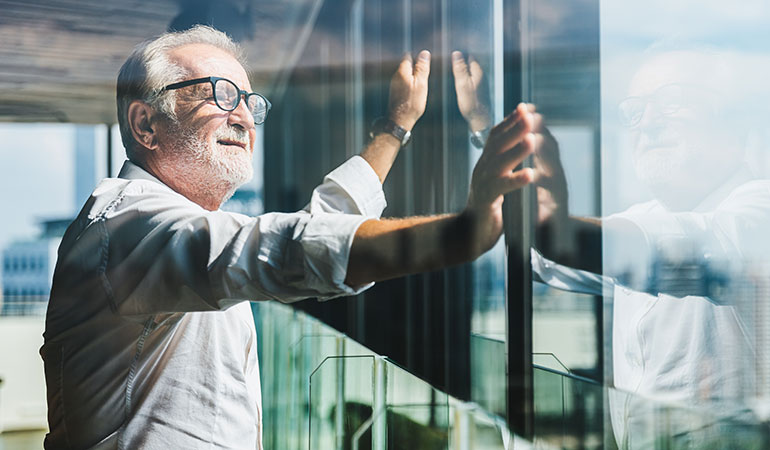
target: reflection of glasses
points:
(227, 96)
(666, 99)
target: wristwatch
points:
(479, 138)
(385, 125)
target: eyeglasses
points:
(666, 99)
(227, 96)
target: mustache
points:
(230, 133)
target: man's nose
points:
(242, 116)
(651, 117)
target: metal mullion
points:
(518, 216)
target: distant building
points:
(27, 271)
(245, 201)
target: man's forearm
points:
(380, 153)
(389, 248)
(574, 241)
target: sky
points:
(36, 176)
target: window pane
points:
(686, 207)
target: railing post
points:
(339, 411)
(380, 426)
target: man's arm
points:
(384, 249)
(556, 228)
(408, 96)
(469, 86)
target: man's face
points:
(212, 146)
(676, 138)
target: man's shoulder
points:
(115, 195)
(646, 207)
(139, 204)
(751, 190)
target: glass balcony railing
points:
(321, 389)
(572, 412)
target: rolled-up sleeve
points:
(352, 188)
(288, 257)
(163, 253)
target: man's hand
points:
(409, 90)
(509, 143)
(552, 194)
(408, 96)
(384, 249)
(468, 82)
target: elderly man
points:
(149, 340)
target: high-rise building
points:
(27, 265)
(28, 271)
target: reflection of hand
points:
(552, 196)
(509, 143)
(468, 78)
(409, 90)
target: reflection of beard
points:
(208, 167)
(666, 168)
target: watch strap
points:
(385, 125)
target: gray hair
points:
(148, 70)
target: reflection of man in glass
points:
(677, 266)
(682, 269)
(685, 143)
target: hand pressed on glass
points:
(469, 83)
(409, 90)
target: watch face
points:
(476, 141)
(406, 138)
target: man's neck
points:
(207, 195)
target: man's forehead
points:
(202, 60)
(681, 67)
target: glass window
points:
(685, 201)
(337, 88)
(655, 247)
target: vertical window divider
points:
(518, 229)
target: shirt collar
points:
(131, 171)
(741, 176)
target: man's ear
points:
(141, 121)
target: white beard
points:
(666, 168)
(208, 167)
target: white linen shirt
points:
(691, 350)
(149, 343)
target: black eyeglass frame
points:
(213, 81)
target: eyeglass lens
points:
(226, 94)
(667, 100)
